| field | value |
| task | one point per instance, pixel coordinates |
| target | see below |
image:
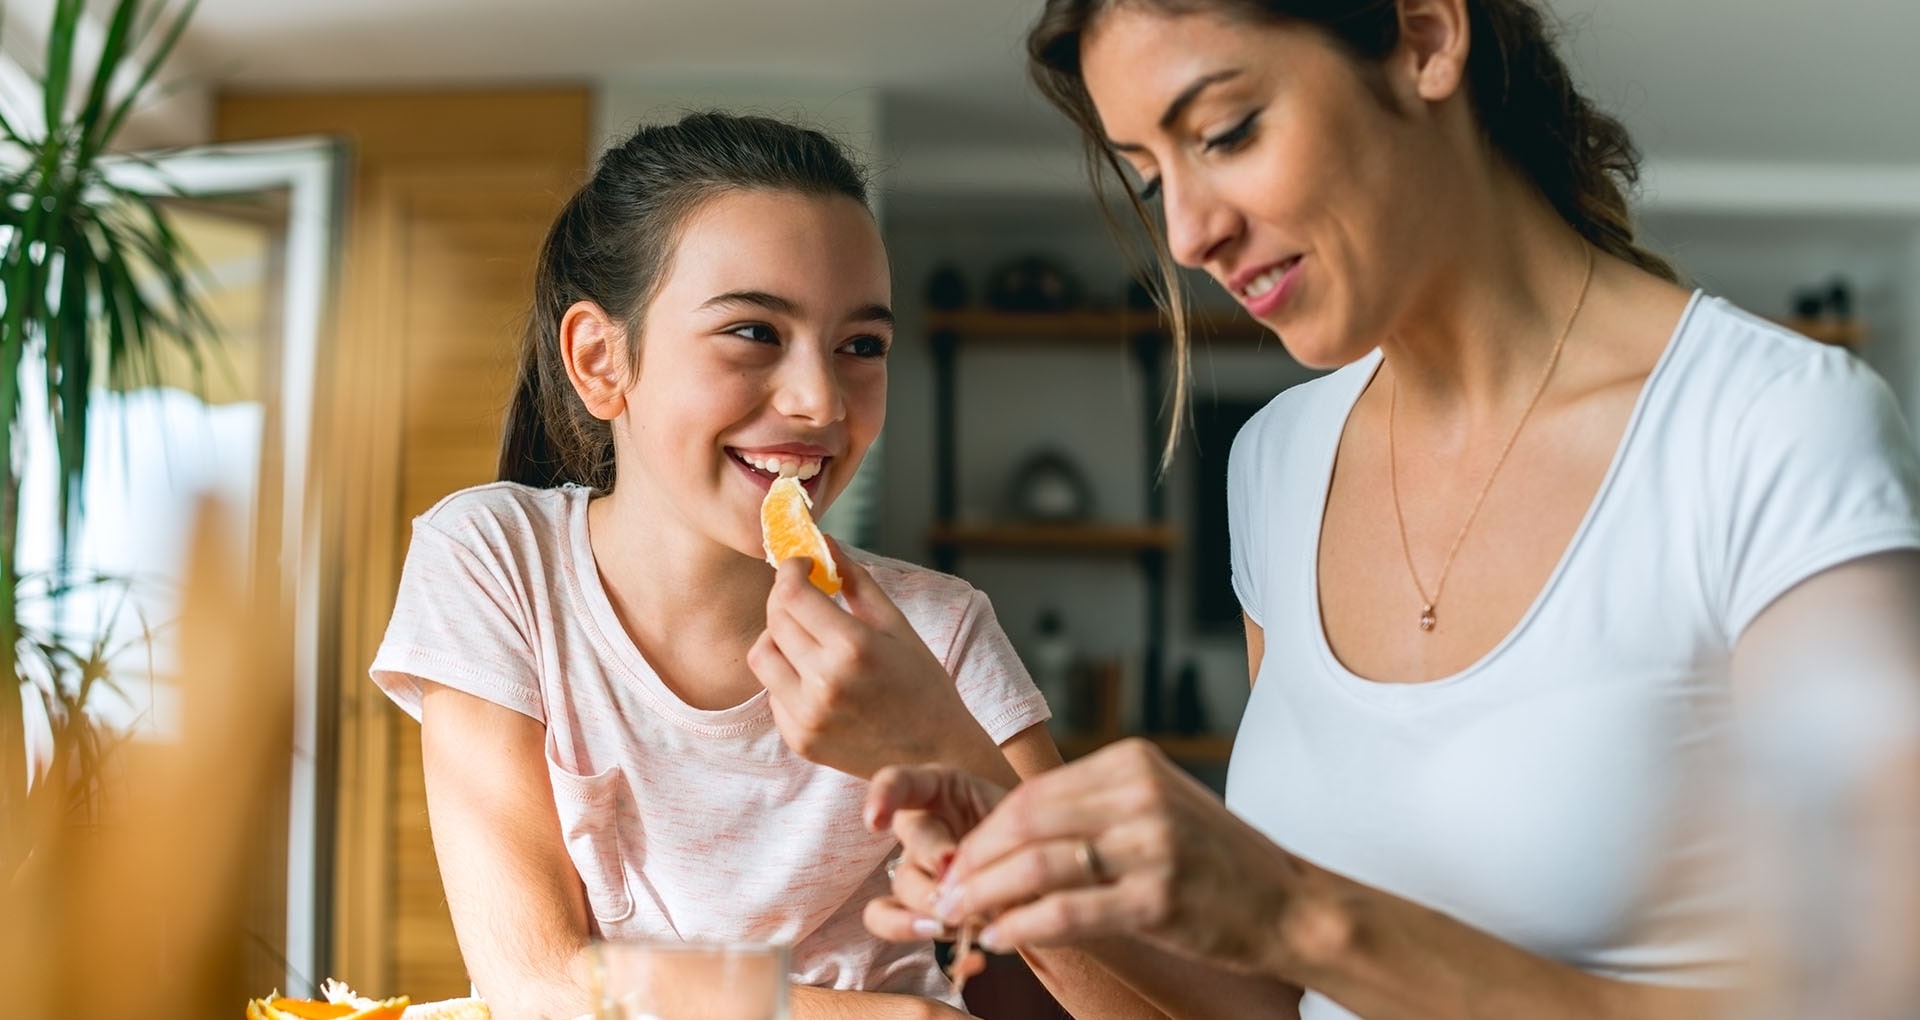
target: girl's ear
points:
(1433, 42)
(594, 348)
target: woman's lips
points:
(1267, 290)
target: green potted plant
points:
(96, 284)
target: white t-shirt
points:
(1561, 793)
(682, 823)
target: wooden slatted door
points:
(451, 195)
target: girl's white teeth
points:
(802, 468)
(1266, 281)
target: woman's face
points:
(765, 347)
(1281, 170)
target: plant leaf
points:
(98, 142)
(132, 307)
(114, 320)
(113, 54)
(62, 35)
(180, 274)
(6, 126)
(69, 370)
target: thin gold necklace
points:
(1427, 602)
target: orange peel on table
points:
(787, 530)
(342, 1003)
(275, 1007)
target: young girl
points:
(603, 665)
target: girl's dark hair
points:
(612, 245)
(1523, 96)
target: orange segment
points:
(278, 1008)
(307, 1009)
(787, 530)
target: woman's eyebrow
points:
(1180, 103)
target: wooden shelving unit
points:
(1204, 749)
(1110, 326)
(1848, 333)
(1064, 538)
(1140, 335)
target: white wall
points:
(1754, 231)
(849, 112)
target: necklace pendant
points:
(1426, 618)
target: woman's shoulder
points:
(1747, 395)
(1291, 421)
(1754, 391)
(1744, 358)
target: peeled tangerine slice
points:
(787, 530)
(274, 1007)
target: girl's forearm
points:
(973, 750)
(806, 1003)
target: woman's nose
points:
(1198, 222)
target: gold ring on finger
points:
(1090, 862)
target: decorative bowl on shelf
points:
(1049, 487)
(1033, 283)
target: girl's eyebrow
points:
(754, 299)
(778, 305)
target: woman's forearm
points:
(1387, 958)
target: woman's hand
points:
(858, 689)
(1119, 843)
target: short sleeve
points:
(458, 621)
(1242, 543)
(1823, 472)
(990, 677)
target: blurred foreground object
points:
(96, 286)
(1831, 754)
(144, 914)
(666, 980)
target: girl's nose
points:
(807, 388)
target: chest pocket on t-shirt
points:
(589, 808)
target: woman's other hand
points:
(1123, 842)
(858, 689)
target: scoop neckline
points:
(1404, 689)
(620, 649)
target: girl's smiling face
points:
(764, 348)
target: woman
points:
(1509, 574)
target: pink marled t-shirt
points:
(683, 823)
